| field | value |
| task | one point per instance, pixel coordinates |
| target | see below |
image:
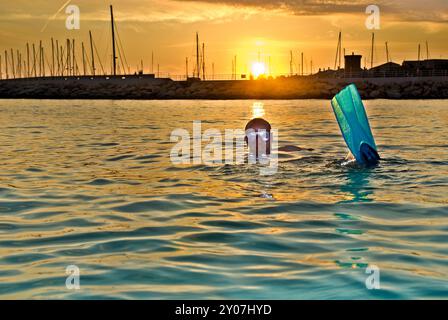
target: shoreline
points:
(291, 88)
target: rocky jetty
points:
(280, 88)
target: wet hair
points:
(258, 123)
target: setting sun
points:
(258, 69)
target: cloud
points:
(126, 10)
(192, 11)
(401, 10)
(301, 7)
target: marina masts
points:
(235, 67)
(57, 57)
(83, 58)
(419, 52)
(40, 58)
(371, 54)
(198, 68)
(203, 61)
(34, 61)
(28, 60)
(337, 61)
(12, 64)
(68, 57)
(302, 63)
(52, 57)
(73, 58)
(114, 55)
(290, 63)
(6, 64)
(43, 60)
(91, 52)
(387, 53)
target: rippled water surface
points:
(90, 183)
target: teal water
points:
(90, 183)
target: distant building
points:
(386, 69)
(353, 63)
(410, 68)
(431, 64)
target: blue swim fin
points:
(354, 124)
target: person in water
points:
(259, 139)
(258, 133)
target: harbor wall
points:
(141, 87)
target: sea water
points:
(90, 184)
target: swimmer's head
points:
(258, 137)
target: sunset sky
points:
(244, 28)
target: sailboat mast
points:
(52, 57)
(290, 63)
(28, 60)
(14, 71)
(43, 61)
(34, 61)
(40, 59)
(198, 68)
(114, 55)
(91, 52)
(74, 57)
(371, 54)
(19, 64)
(83, 58)
(152, 62)
(6, 64)
(57, 58)
(387, 52)
(235, 68)
(203, 61)
(302, 63)
(270, 69)
(419, 52)
(340, 50)
(67, 50)
(61, 49)
(337, 60)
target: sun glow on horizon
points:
(258, 69)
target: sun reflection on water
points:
(258, 110)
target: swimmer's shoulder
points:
(290, 148)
